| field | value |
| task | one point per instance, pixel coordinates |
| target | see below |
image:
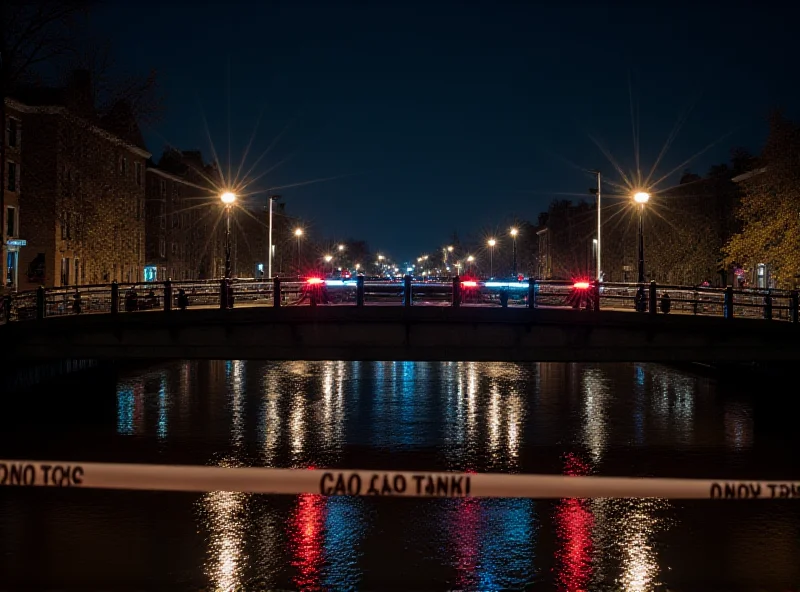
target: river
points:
(593, 419)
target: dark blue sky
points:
(453, 116)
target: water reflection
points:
(738, 426)
(324, 535)
(620, 419)
(492, 542)
(574, 523)
(224, 514)
(305, 540)
(596, 402)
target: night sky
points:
(439, 117)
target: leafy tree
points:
(770, 207)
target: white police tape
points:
(376, 483)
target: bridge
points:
(318, 319)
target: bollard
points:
(727, 309)
(276, 292)
(360, 290)
(504, 298)
(794, 304)
(596, 297)
(407, 290)
(531, 293)
(223, 294)
(653, 298)
(768, 306)
(114, 297)
(40, 308)
(456, 292)
(168, 295)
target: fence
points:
(130, 298)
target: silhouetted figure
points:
(504, 298)
(152, 301)
(131, 300)
(666, 303)
(183, 299)
(76, 303)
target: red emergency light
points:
(469, 284)
(315, 280)
(581, 285)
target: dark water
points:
(616, 419)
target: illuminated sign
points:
(16, 242)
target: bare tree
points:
(111, 84)
(32, 32)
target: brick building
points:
(185, 224)
(81, 189)
(181, 212)
(11, 240)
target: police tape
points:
(28, 473)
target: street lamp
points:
(597, 192)
(492, 243)
(270, 247)
(341, 248)
(227, 198)
(470, 260)
(641, 198)
(298, 232)
(328, 259)
(513, 233)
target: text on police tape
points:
(41, 474)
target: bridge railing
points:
(148, 296)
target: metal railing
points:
(148, 296)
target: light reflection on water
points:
(452, 416)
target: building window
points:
(163, 189)
(12, 176)
(162, 217)
(13, 132)
(65, 272)
(11, 221)
(175, 220)
(123, 166)
(162, 247)
(138, 173)
(174, 248)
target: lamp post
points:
(470, 261)
(514, 232)
(270, 247)
(445, 251)
(641, 198)
(492, 243)
(328, 259)
(597, 191)
(228, 198)
(298, 232)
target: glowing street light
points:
(227, 198)
(298, 232)
(491, 244)
(341, 248)
(514, 233)
(641, 198)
